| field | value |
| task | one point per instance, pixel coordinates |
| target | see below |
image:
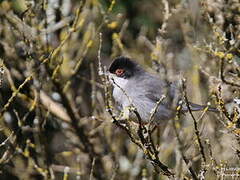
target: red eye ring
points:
(119, 72)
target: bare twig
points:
(92, 169)
(197, 133)
(154, 110)
(181, 146)
(1, 72)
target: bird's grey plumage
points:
(143, 90)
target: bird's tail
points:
(197, 107)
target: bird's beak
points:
(108, 73)
(111, 76)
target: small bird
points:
(133, 86)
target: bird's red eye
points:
(119, 72)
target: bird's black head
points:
(124, 67)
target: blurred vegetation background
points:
(53, 118)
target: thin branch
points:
(180, 143)
(197, 133)
(92, 168)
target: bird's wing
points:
(156, 88)
(156, 93)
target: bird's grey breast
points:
(119, 91)
(144, 92)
